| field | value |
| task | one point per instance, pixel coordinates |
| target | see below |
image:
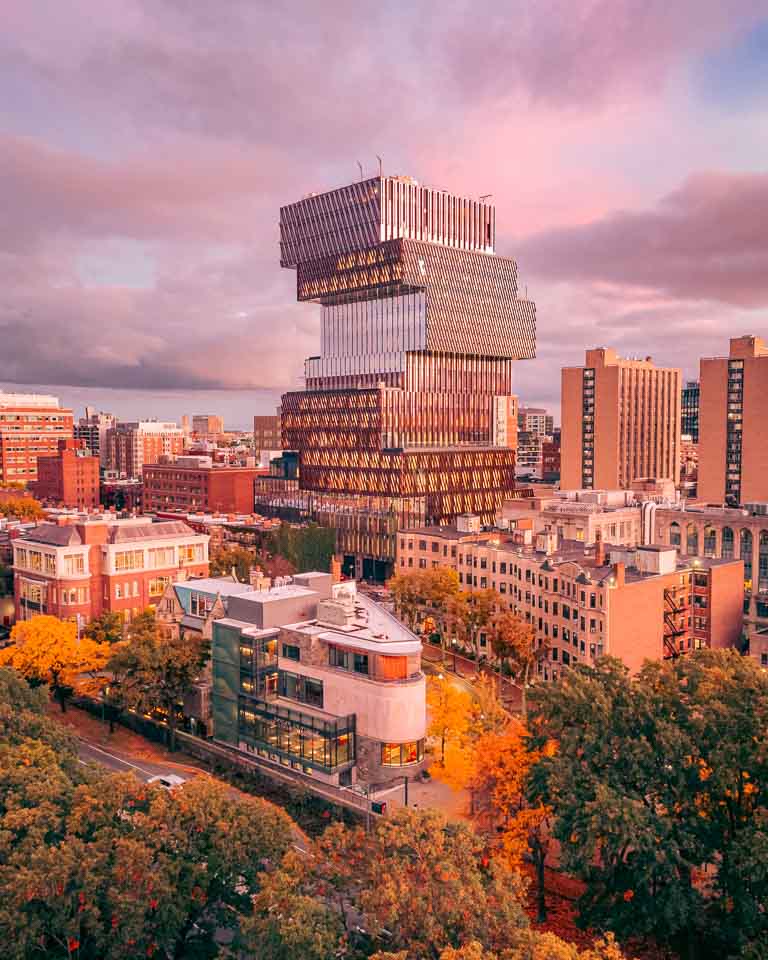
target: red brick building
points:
(192, 484)
(69, 478)
(81, 569)
(30, 425)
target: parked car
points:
(168, 781)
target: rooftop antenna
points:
(361, 170)
(485, 196)
(380, 164)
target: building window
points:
(361, 663)
(402, 754)
(338, 658)
(160, 557)
(307, 690)
(674, 534)
(200, 605)
(129, 560)
(710, 539)
(762, 562)
(692, 540)
(292, 652)
(157, 586)
(746, 556)
(726, 551)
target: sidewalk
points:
(132, 745)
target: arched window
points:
(692, 540)
(745, 553)
(674, 534)
(762, 562)
(727, 549)
(710, 539)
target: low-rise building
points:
(69, 477)
(193, 484)
(79, 567)
(635, 604)
(308, 675)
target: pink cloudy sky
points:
(146, 146)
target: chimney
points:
(599, 549)
(257, 579)
(335, 569)
(619, 570)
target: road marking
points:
(127, 763)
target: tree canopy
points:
(156, 671)
(21, 508)
(101, 866)
(48, 650)
(659, 789)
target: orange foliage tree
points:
(48, 650)
(495, 767)
(448, 708)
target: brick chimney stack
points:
(619, 572)
(599, 549)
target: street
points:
(89, 753)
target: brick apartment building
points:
(78, 568)
(733, 439)
(193, 484)
(30, 425)
(621, 420)
(641, 603)
(550, 564)
(132, 444)
(69, 478)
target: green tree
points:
(156, 672)
(307, 547)
(659, 789)
(481, 609)
(125, 870)
(106, 628)
(232, 557)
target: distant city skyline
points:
(623, 144)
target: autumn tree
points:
(513, 642)
(157, 672)
(22, 508)
(659, 791)
(448, 710)
(106, 628)
(481, 606)
(417, 882)
(48, 650)
(533, 946)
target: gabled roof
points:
(54, 535)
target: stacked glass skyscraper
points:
(420, 326)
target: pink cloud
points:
(707, 240)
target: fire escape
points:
(674, 608)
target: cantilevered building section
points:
(421, 324)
